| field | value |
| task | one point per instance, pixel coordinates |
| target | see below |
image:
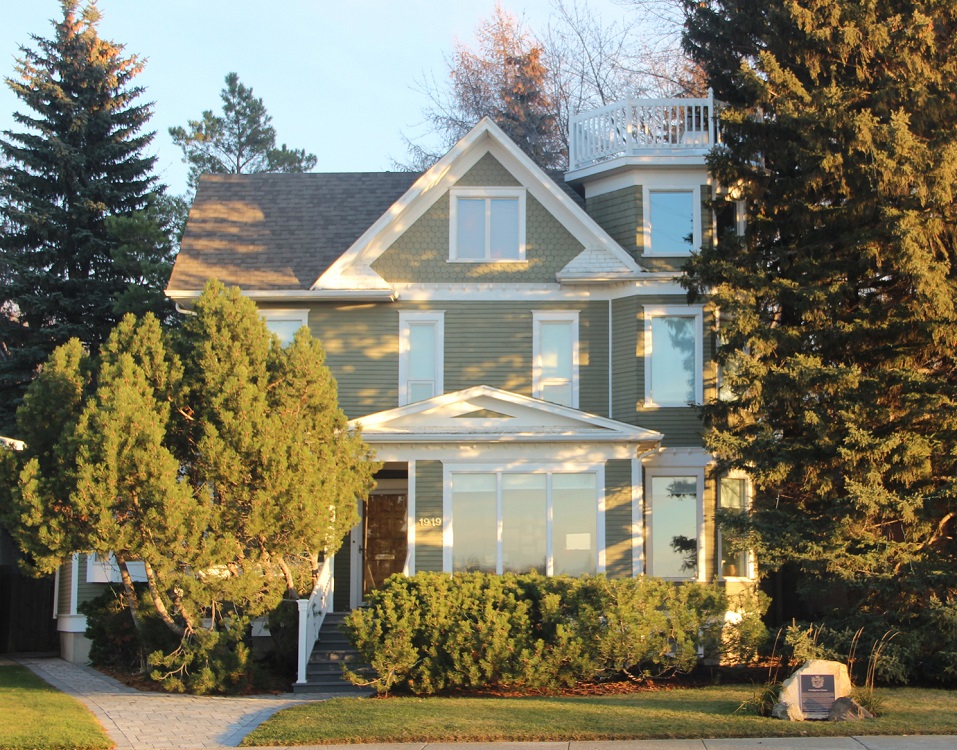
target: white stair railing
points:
(641, 126)
(312, 612)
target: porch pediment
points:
(483, 414)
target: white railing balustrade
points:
(312, 612)
(638, 127)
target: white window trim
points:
(485, 192)
(407, 318)
(296, 315)
(649, 513)
(679, 311)
(100, 570)
(564, 316)
(549, 469)
(679, 187)
(750, 572)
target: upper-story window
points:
(487, 225)
(674, 340)
(555, 357)
(421, 355)
(673, 220)
(285, 323)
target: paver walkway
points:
(138, 720)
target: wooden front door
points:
(385, 539)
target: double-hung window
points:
(487, 225)
(674, 520)
(421, 355)
(733, 498)
(673, 220)
(674, 340)
(555, 357)
(285, 323)
(519, 521)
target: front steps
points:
(332, 650)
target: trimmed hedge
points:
(435, 632)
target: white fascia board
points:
(657, 284)
(574, 218)
(296, 295)
(688, 158)
(405, 211)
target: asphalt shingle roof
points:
(282, 231)
(279, 231)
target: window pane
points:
(672, 360)
(474, 523)
(574, 513)
(421, 390)
(284, 329)
(672, 222)
(674, 527)
(734, 497)
(470, 232)
(523, 523)
(557, 393)
(555, 349)
(504, 235)
(422, 352)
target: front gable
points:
(410, 243)
(483, 414)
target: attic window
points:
(487, 225)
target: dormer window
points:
(487, 225)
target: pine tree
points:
(240, 141)
(77, 162)
(839, 305)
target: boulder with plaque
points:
(810, 692)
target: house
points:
(516, 346)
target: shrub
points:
(435, 632)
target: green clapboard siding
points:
(428, 506)
(626, 360)
(618, 558)
(681, 426)
(488, 343)
(362, 351)
(63, 593)
(593, 358)
(421, 253)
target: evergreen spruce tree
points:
(77, 163)
(839, 305)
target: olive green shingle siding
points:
(618, 552)
(620, 214)
(428, 507)
(421, 253)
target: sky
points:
(338, 77)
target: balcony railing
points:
(643, 127)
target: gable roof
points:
(353, 270)
(278, 231)
(483, 414)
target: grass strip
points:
(35, 715)
(691, 713)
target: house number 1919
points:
(431, 521)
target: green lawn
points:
(690, 713)
(35, 715)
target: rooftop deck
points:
(650, 130)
